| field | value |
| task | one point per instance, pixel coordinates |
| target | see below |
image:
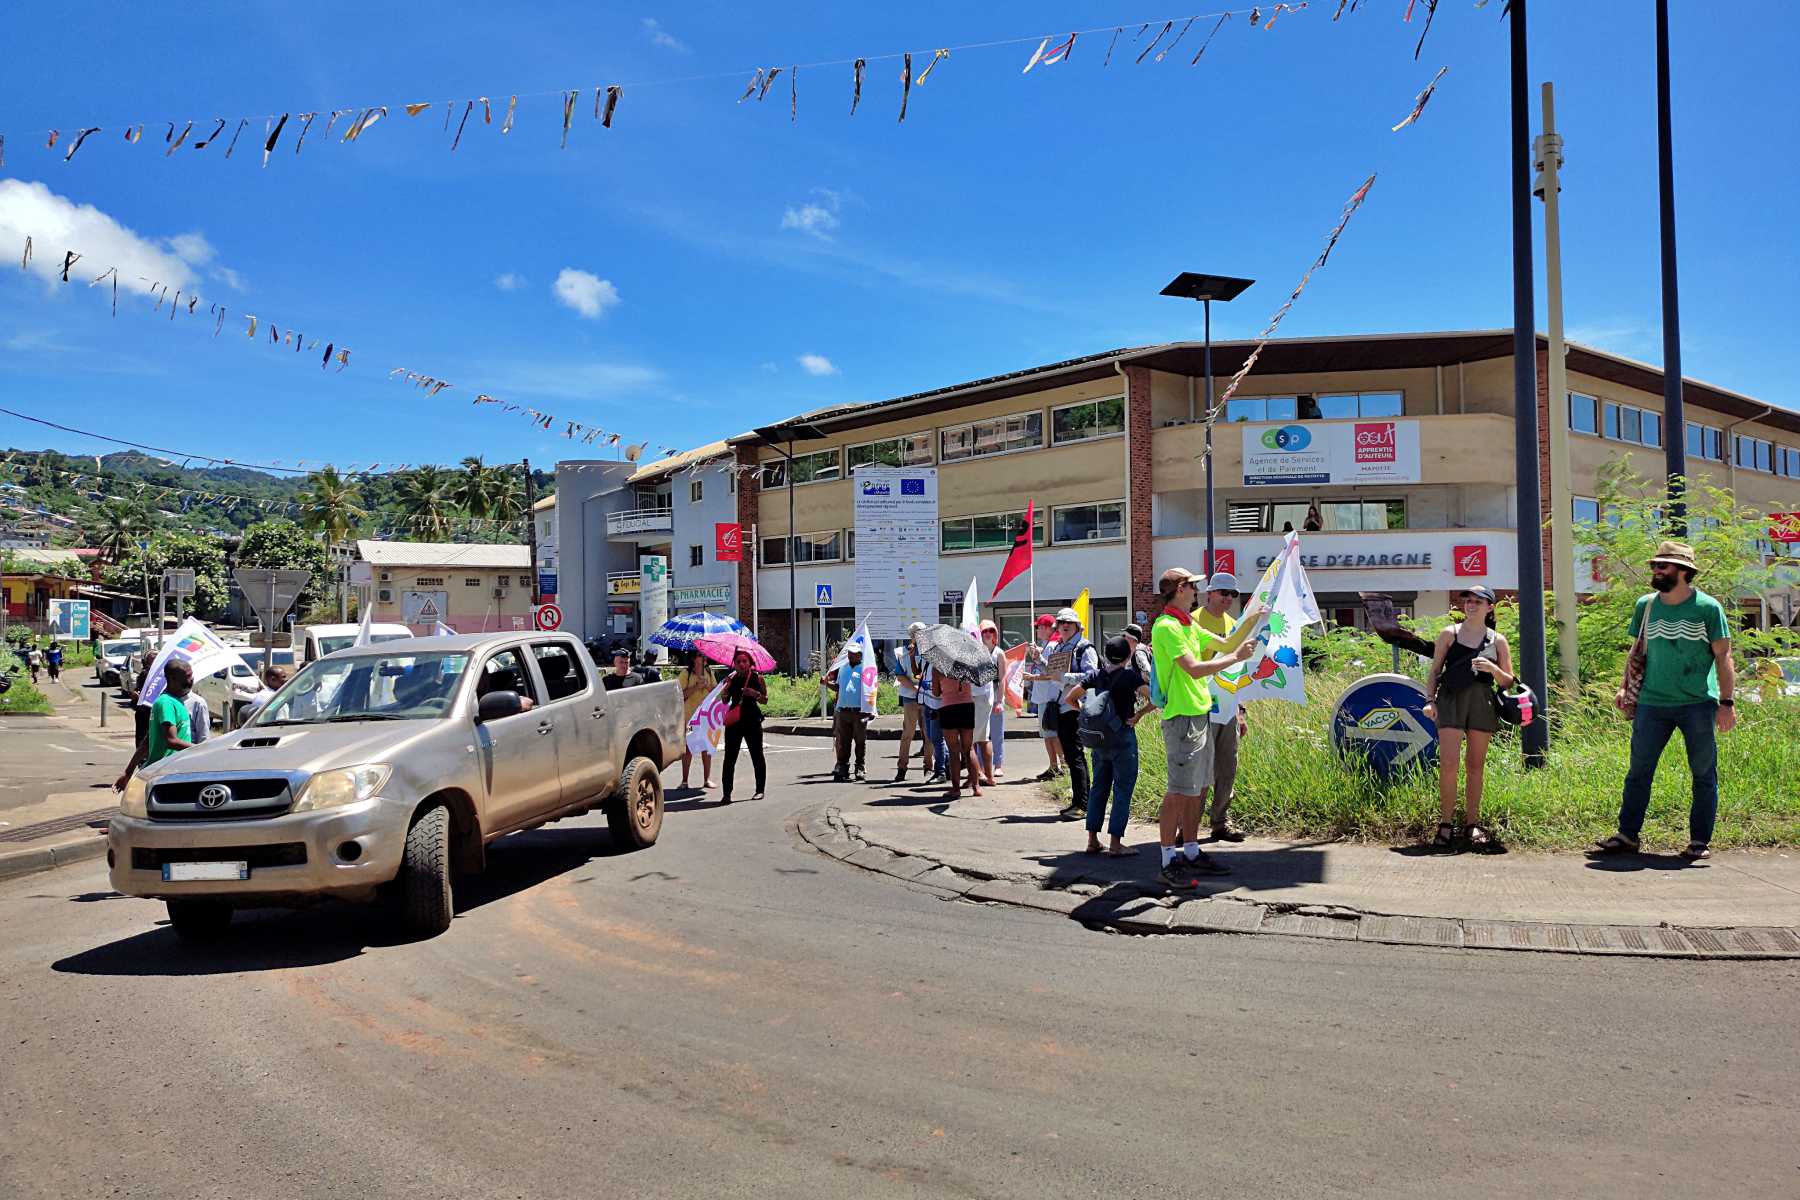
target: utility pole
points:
(531, 531)
(1534, 738)
(1674, 411)
(1562, 517)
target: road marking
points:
(64, 749)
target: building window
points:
(1754, 453)
(808, 548)
(696, 556)
(1583, 413)
(427, 581)
(1619, 422)
(1087, 420)
(849, 545)
(1790, 462)
(1703, 441)
(989, 531)
(1087, 522)
(1363, 514)
(502, 580)
(471, 581)
(1586, 511)
(818, 467)
(1248, 518)
(696, 489)
(1262, 408)
(1361, 404)
(908, 450)
(1024, 431)
(1334, 516)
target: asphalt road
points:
(730, 1014)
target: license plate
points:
(190, 872)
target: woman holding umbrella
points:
(745, 692)
(959, 663)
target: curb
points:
(889, 733)
(1147, 910)
(16, 864)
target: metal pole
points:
(1674, 415)
(793, 598)
(531, 532)
(1210, 560)
(1562, 517)
(1534, 738)
(268, 616)
(162, 609)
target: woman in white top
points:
(990, 709)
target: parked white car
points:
(313, 642)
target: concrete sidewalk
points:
(1010, 845)
(47, 819)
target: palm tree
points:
(329, 505)
(117, 526)
(508, 500)
(424, 494)
(475, 491)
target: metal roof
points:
(442, 554)
(676, 462)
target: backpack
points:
(1159, 695)
(1099, 725)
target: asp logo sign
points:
(1375, 442)
(871, 488)
(1287, 437)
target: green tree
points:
(477, 488)
(508, 500)
(202, 554)
(425, 496)
(331, 505)
(116, 526)
(283, 546)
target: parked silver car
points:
(385, 769)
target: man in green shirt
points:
(1688, 684)
(170, 728)
(1181, 651)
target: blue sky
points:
(721, 266)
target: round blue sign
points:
(1382, 719)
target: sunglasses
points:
(1228, 592)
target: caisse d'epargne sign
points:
(1328, 452)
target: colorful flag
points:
(1019, 561)
(706, 728)
(1081, 607)
(197, 646)
(1015, 677)
(1273, 672)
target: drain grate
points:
(44, 829)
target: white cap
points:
(1222, 581)
(1069, 615)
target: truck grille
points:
(281, 854)
(250, 799)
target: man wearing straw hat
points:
(1678, 675)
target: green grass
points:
(1291, 783)
(800, 697)
(21, 697)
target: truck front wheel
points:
(635, 813)
(197, 922)
(425, 902)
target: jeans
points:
(1068, 733)
(747, 735)
(934, 733)
(1115, 771)
(997, 735)
(1650, 732)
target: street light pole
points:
(1562, 536)
(792, 541)
(1207, 288)
(1674, 415)
(1211, 558)
(1534, 738)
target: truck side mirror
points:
(495, 705)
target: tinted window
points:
(505, 672)
(561, 669)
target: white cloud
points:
(816, 364)
(578, 380)
(818, 216)
(229, 278)
(585, 292)
(662, 37)
(771, 368)
(57, 225)
(509, 282)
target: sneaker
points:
(839, 775)
(859, 775)
(1203, 865)
(937, 777)
(1225, 831)
(1074, 812)
(1175, 876)
(1049, 774)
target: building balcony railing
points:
(640, 523)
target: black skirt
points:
(957, 716)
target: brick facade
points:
(1139, 491)
(746, 519)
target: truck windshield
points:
(392, 686)
(331, 645)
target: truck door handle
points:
(599, 712)
(544, 728)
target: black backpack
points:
(1099, 725)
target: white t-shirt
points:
(199, 716)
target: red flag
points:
(1019, 561)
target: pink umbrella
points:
(723, 647)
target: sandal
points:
(1446, 837)
(1616, 843)
(1696, 851)
(1122, 852)
(1479, 838)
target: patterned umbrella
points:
(679, 632)
(957, 654)
(723, 647)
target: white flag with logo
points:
(1274, 671)
(706, 728)
(871, 671)
(197, 646)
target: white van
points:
(312, 642)
(243, 683)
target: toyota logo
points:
(215, 795)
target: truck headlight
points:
(331, 789)
(133, 802)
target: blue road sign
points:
(1382, 719)
(821, 595)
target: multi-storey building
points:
(1393, 454)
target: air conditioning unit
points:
(499, 593)
(386, 595)
(387, 577)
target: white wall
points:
(1333, 549)
(693, 526)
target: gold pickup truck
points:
(386, 770)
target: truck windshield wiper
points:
(363, 717)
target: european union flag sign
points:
(912, 487)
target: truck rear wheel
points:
(635, 812)
(197, 922)
(424, 891)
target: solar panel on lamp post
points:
(1191, 285)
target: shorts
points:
(957, 716)
(1189, 744)
(1047, 710)
(908, 701)
(1469, 708)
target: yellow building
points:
(472, 588)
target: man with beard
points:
(1687, 683)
